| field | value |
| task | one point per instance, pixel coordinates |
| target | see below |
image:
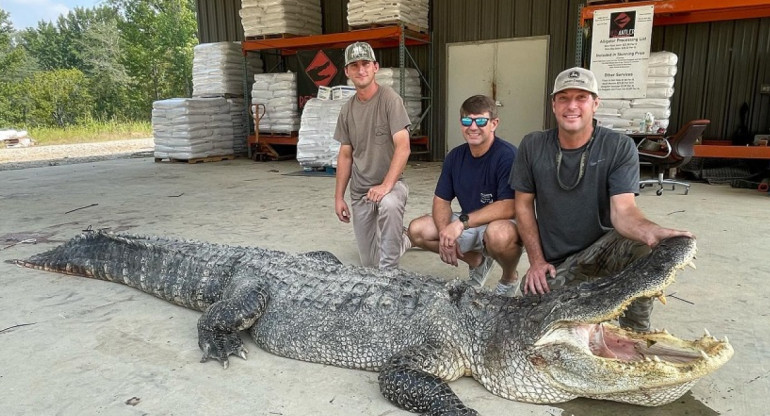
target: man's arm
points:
(504, 209)
(631, 223)
(397, 165)
(448, 231)
(344, 167)
(526, 223)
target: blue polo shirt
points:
(476, 182)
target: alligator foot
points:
(220, 346)
(219, 326)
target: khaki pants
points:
(610, 254)
(379, 228)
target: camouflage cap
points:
(359, 51)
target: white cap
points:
(578, 78)
(359, 51)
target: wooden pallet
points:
(389, 23)
(195, 160)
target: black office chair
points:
(670, 152)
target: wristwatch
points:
(464, 220)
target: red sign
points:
(321, 70)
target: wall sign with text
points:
(620, 51)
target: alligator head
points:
(566, 347)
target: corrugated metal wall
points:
(462, 21)
(721, 64)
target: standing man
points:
(373, 131)
(476, 173)
(575, 208)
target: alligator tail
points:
(185, 273)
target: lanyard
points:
(583, 157)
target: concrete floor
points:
(75, 346)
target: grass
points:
(91, 132)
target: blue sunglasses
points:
(480, 121)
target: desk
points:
(712, 148)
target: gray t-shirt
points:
(369, 128)
(570, 221)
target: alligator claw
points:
(220, 346)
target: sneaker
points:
(478, 275)
(505, 290)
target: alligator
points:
(419, 332)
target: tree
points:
(158, 37)
(57, 98)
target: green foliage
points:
(57, 98)
(106, 63)
(91, 131)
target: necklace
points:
(583, 157)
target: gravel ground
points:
(38, 156)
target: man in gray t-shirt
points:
(575, 198)
(373, 131)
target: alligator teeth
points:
(665, 331)
(662, 298)
(692, 264)
(703, 355)
(706, 333)
(726, 341)
(656, 358)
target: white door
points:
(511, 71)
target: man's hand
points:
(535, 280)
(342, 210)
(448, 248)
(378, 192)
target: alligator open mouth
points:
(588, 356)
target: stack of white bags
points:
(412, 92)
(277, 92)
(628, 115)
(411, 12)
(218, 69)
(316, 146)
(191, 128)
(270, 17)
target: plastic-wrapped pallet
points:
(271, 17)
(278, 93)
(410, 12)
(316, 146)
(412, 91)
(218, 69)
(191, 128)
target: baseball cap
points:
(577, 77)
(359, 51)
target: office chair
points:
(670, 152)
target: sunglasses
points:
(480, 121)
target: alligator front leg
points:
(220, 323)
(412, 380)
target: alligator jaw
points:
(586, 356)
(648, 369)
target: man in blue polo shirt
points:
(476, 173)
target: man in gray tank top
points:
(575, 198)
(373, 131)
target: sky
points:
(26, 13)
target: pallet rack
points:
(393, 36)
